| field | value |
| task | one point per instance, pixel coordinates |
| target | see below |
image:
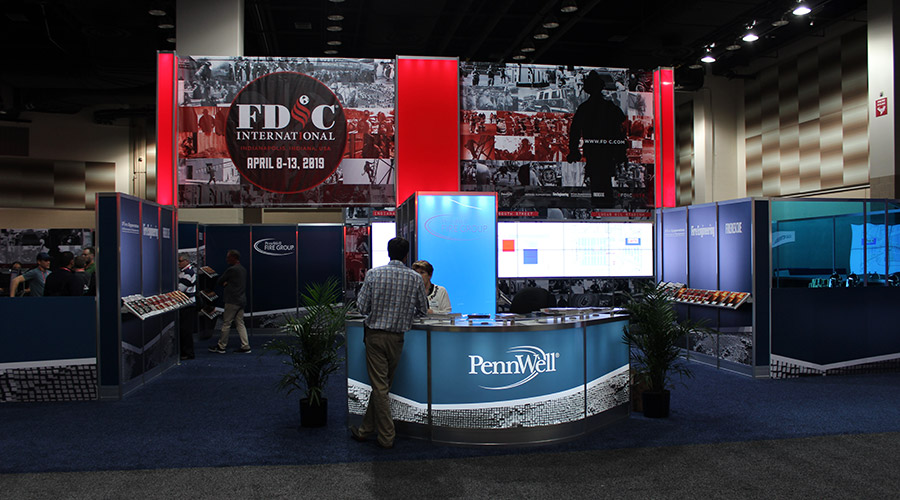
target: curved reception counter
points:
(496, 381)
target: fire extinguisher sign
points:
(881, 108)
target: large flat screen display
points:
(382, 232)
(574, 249)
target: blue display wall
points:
(280, 261)
(132, 350)
(714, 247)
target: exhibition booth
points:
(815, 278)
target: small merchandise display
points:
(145, 307)
(206, 285)
(717, 298)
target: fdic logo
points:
(528, 361)
(286, 132)
(273, 247)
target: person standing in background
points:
(34, 279)
(62, 281)
(234, 279)
(187, 315)
(390, 297)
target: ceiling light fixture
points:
(335, 17)
(166, 26)
(801, 10)
(156, 12)
(541, 34)
(336, 1)
(750, 36)
(333, 43)
(550, 23)
(733, 47)
(708, 58)
(518, 57)
(334, 27)
(171, 39)
(780, 22)
(527, 46)
(695, 66)
(568, 6)
(331, 52)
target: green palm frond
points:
(313, 340)
(655, 335)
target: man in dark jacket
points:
(234, 279)
(62, 281)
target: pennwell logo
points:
(528, 361)
(273, 247)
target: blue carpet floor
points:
(224, 410)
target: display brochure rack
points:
(207, 284)
(716, 298)
(146, 307)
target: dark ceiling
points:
(63, 55)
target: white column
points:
(882, 54)
(210, 28)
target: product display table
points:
(502, 379)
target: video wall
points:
(574, 249)
(270, 132)
(567, 137)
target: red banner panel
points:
(165, 126)
(427, 125)
(664, 102)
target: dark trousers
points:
(187, 319)
(383, 350)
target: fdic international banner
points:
(268, 132)
(568, 138)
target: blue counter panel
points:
(484, 367)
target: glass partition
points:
(820, 243)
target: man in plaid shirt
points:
(390, 297)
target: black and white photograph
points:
(528, 114)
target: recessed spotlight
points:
(695, 66)
(331, 52)
(518, 57)
(166, 26)
(335, 17)
(541, 34)
(550, 23)
(779, 23)
(750, 37)
(708, 58)
(156, 12)
(527, 46)
(334, 27)
(171, 39)
(802, 10)
(333, 43)
(569, 6)
(733, 46)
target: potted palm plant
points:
(655, 335)
(312, 344)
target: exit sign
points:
(881, 106)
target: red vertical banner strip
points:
(165, 129)
(664, 108)
(427, 125)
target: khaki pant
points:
(382, 355)
(233, 312)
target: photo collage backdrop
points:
(517, 136)
(356, 129)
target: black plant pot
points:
(313, 415)
(656, 404)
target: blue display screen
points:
(457, 234)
